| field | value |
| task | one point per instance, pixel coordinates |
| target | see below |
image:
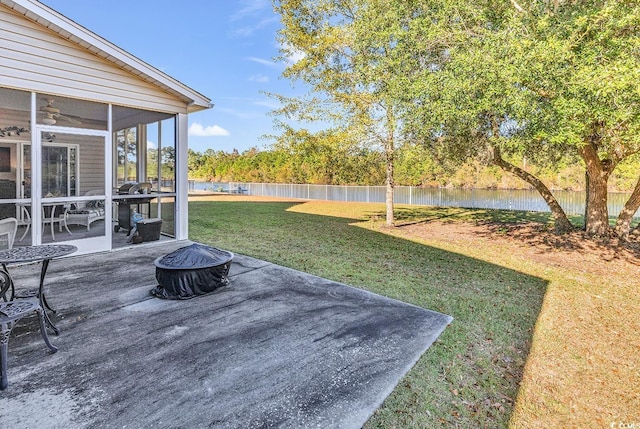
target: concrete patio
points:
(274, 348)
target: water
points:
(524, 200)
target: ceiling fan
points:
(52, 114)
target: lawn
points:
(522, 349)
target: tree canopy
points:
(550, 80)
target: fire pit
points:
(191, 271)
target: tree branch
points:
(517, 6)
(562, 223)
(623, 223)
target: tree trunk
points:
(561, 222)
(389, 152)
(623, 224)
(389, 149)
(597, 218)
(598, 171)
(586, 200)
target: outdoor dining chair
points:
(8, 228)
(10, 313)
(50, 217)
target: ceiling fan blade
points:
(53, 113)
(69, 119)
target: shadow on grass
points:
(415, 215)
(470, 377)
(530, 228)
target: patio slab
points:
(274, 348)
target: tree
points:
(589, 98)
(346, 57)
(493, 79)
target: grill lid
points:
(134, 188)
(126, 188)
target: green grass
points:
(470, 376)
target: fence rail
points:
(516, 199)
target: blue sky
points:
(224, 49)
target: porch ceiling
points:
(122, 116)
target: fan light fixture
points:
(48, 120)
(52, 114)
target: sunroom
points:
(90, 136)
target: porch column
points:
(182, 182)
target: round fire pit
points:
(191, 271)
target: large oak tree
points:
(543, 79)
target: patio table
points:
(40, 253)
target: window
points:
(59, 171)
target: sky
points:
(223, 49)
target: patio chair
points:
(86, 212)
(51, 216)
(24, 221)
(8, 228)
(10, 313)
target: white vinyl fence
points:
(516, 199)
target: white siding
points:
(34, 58)
(91, 161)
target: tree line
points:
(414, 166)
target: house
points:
(89, 134)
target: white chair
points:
(49, 216)
(26, 221)
(8, 228)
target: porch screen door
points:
(70, 204)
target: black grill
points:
(126, 206)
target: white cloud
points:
(152, 145)
(243, 32)
(250, 8)
(295, 56)
(292, 54)
(262, 61)
(259, 78)
(198, 130)
(250, 29)
(240, 113)
(271, 104)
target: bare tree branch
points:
(517, 6)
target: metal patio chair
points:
(10, 313)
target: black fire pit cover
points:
(191, 271)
